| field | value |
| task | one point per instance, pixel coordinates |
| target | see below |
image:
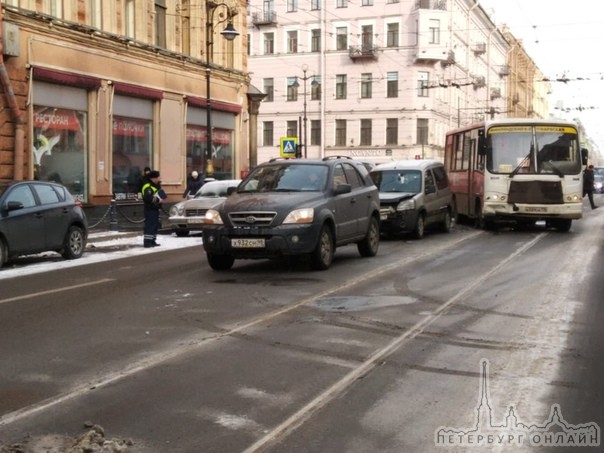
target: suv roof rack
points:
(274, 159)
(337, 157)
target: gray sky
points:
(566, 41)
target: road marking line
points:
(298, 418)
(56, 290)
(196, 343)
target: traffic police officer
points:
(153, 196)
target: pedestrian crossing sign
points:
(289, 146)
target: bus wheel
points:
(479, 221)
(561, 224)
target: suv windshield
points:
(407, 181)
(286, 178)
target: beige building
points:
(96, 90)
(377, 79)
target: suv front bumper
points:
(283, 240)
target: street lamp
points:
(229, 33)
(297, 84)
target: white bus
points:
(522, 170)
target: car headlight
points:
(212, 217)
(177, 210)
(305, 215)
(406, 205)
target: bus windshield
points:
(533, 150)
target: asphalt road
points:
(375, 354)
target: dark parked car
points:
(38, 216)
(598, 183)
(291, 207)
(189, 215)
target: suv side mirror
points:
(343, 188)
(231, 190)
(12, 206)
(430, 189)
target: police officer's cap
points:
(153, 174)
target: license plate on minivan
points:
(247, 243)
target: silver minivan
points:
(414, 195)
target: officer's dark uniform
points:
(152, 193)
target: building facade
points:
(374, 79)
(96, 90)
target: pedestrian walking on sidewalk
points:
(153, 196)
(588, 185)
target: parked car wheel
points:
(3, 253)
(420, 225)
(75, 243)
(322, 255)
(220, 262)
(446, 225)
(370, 243)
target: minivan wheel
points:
(322, 256)
(420, 225)
(75, 243)
(371, 242)
(446, 225)
(220, 262)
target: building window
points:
(341, 38)
(367, 37)
(315, 132)
(160, 23)
(269, 43)
(292, 42)
(129, 24)
(292, 6)
(340, 132)
(292, 88)
(423, 78)
(315, 88)
(96, 13)
(292, 129)
(367, 3)
(315, 4)
(422, 131)
(434, 31)
(267, 133)
(315, 40)
(341, 86)
(341, 3)
(392, 1)
(269, 90)
(365, 132)
(392, 84)
(59, 147)
(366, 85)
(392, 34)
(391, 131)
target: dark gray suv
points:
(289, 207)
(38, 216)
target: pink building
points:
(375, 79)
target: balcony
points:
(479, 48)
(264, 18)
(362, 53)
(504, 70)
(479, 82)
(431, 4)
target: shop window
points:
(131, 154)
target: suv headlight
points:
(212, 217)
(305, 215)
(406, 205)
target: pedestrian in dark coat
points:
(153, 196)
(193, 185)
(588, 185)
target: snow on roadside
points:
(97, 250)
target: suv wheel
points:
(220, 262)
(370, 243)
(420, 225)
(75, 243)
(3, 253)
(322, 256)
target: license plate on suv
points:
(247, 243)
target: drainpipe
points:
(17, 114)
